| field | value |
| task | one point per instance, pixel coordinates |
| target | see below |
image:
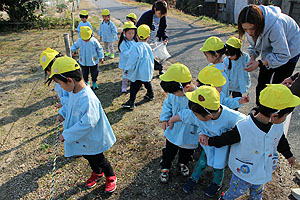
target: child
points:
(131, 17)
(90, 54)
(239, 79)
(212, 119)
(214, 49)
(139, 67)
(84, 15)
(254, 142)
(182, 138)
(87, 131)
(108, 33)
(212, 76)
(46, 59)
(125, 43)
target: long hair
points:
(122, 37)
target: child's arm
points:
(132, 60)
(173, 119)
(113, 29)
(100, 31)
(99, 51)
(75, 46)
(124, 50)
(284, 148)
(166, 113)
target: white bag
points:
(160, 52)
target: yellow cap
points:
(234, 42)
(206, 96)
(129, 25)
(85, 32)
(212, 44)
(84, 12)
(177, 72)
(47, 56)
(143, 31)
(105, 12)
(131, 15)
(64, 64)
(278, 97)
(211, 75)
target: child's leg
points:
(124, 84)
(238, 187)
(185, 155)
(100, 164)
(256, 192)
(134, 88)
(218, 176)
(85, 73)
(94, 71)
(111, 47)
(106, 47)
(149, 88)
(200, 166)
(168, 154)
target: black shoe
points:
(212, 190)
(129, 105)
(189, 186)
(148, 97)
(161, 72)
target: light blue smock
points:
(239, 79)
(229, 102)
(223, 69)
(140, 64)
(90, 52)
(182, 134)
(87, 130)
(216, 157)
(108, 31)
(84, 24)
(62, 94)
(124, 52)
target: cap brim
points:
(295, 101)
(164, 77)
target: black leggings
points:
(135, 87)
(100, 164)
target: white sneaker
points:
(164, 175)
(184, 170)
(296, 193)
(298, 174)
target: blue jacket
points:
(87, 130)
(84, 24)
(147, 18)
(239, 79)
(140, 64)
(108, 31)
(183, 135)
(232, 103)
(124, 52)
(90, 52)
(62, 94)
(280, 40)
(222, 67)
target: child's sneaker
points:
(128, 104)
(148, 97)
(164, 175)
(92, 181)
(106, 54)
(95, 86)
(184, 170)
(111, 183)
(124, 90)
(212, 190)
(87, 83)
(112, 55)
(188, 187)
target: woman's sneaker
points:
(111, 184)
(129, 105)
(188, 187)
(164, 175)
(184, 170)
(212, 190)
(92, 181)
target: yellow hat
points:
(278, 96)
(64, 64)
(206, 96)
(177, 72)
(143, 31)
(105, 12)
(85, 32)
(131, 15)
(129, 25)
(212, 44)
(234, 42)
(211, 75)
(84, 12)
(47, 56)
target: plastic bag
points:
(160, 52)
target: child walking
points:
(87, 131)
(236, 61)
(182, 139)
(254, 142)
(108, 33)
(84, 15)
(139, 67)
(212, 119)
(125, 43)
(91, 53)
(131, 17)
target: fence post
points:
(67, 44)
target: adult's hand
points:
(287, 82)
(251, 66)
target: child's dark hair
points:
(269, 111)
(231, 51)
(221, 52)
(172, 86)
(160, 5)
(122, 37)
(199, 109)
(132, 20)
(83, 16)
(48, 68)
(76, 75)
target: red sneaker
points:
(92, 181)
(111, 183)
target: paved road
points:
(184, 43)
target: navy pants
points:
(135, 87)
(100, 164)
(87, 69)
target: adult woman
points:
(156, 20)
(273, 35)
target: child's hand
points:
(58, 105)
(292, 160)
(100, 38)
(244, 99)
(76, 31)
(61, 138)
(203, 139)
(101, 61)
(165, 125)
(171, 123)
(165, 41)
(59, 119)
(126, 72)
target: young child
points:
(47, 59)
(84, 15)
(108, 33)
(87, 131)
(139, 67)
(254, 142)
(212, 119)
(131, 17)
(91, 53)
(236, 61)
(182, 139)
(210, 75)
(214, 49)
(125, 43)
